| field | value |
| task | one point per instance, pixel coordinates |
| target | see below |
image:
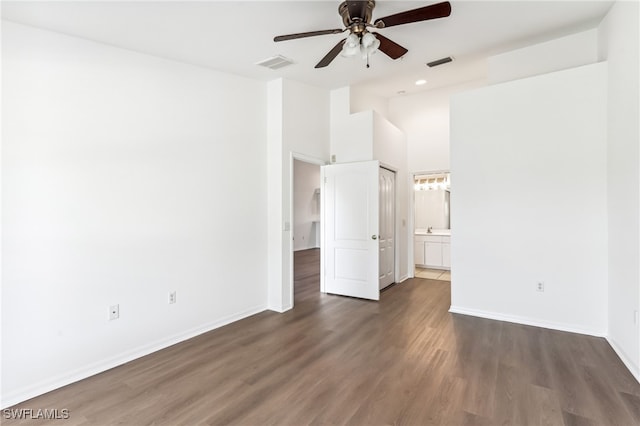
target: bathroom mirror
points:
(432, 201)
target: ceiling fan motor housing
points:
(365, 9)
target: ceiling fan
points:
(356, 17)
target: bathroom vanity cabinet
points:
(432, 251)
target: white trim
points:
(634, 370)
(292, 220)
(525, 321)
(397, 223)
(388, 167)
(411, 266)
(92, 369)
(322, 225)
(404, 278)
(308, 159)
(282, 309)
(304, 248)
(430, 172)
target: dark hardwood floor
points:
(338, 360)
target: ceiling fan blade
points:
(356, 8)
(331, 55)
(434, 11)
(307, 34)
(390, 48)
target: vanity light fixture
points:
(431, 182)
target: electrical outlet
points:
(172, 297)
(114, 312)
(540, 286)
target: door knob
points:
(374, 237)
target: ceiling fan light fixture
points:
(351, 46)
(369, 44)
(365, 45)
(352, 41)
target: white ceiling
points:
(232, 36)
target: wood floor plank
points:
(571, 419)
(632, 402)
(336, 360)
(606, 399)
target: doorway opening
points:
(305, 218)
(432, 225)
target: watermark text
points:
(35, 414)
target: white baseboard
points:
(526, 321)
(31, 391)
(632, 367)
(281, 309)
(305, 248)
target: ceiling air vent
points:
(275, 62)
(439, 62)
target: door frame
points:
(397, 229)
(306, 159)
(412, 215)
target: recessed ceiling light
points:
(420, 82)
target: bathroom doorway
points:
(432, 225)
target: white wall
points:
(619, 46)
(361, 99)
(298, 125)
(555, 55)
(424, 118)
(351, 134)
(124, 177)
(530, 202)
(306, 208)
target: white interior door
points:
(387, 227)
(350, 229)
